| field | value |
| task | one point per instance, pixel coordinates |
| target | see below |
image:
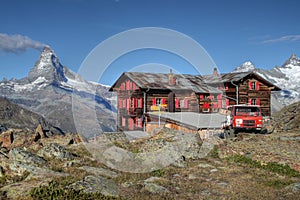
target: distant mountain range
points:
(52, 90)
(286, 76)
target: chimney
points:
(215, 72)
(172, 80)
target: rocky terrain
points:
(167, 165)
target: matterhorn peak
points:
(47, 67)
(245, 67)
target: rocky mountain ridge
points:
(52, 90)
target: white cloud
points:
(286, 38)
(18, 43)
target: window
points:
(254, 85)
(254, 102)
(158, 101)
(182, 103)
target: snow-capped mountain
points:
(245, 67)
(51, 90)
(287, 77)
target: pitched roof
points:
(223, 78)
(161, 81)
(235, 77)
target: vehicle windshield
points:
(247, 111)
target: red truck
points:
(243, 118)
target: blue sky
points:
(234, 31)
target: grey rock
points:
(205, 165)
(155, 189)
(95, 184)
(213, 170)
(152, 179)
(295, 187)
(192, 176)
(222, 184)
(181, 163)
(2, 128)
(55, 150)
(23, 156)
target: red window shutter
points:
(258, 102)
(227, 102)
(250, 101)
(220, 103)
(186, 102)
(120, 103)
(163, 101)
(250, 85)
(201, 96)
(257, 85)
(128, 103)
(123, 121)
(177, 103)
(131, 124)
(141, 102)
(154, 101)
(141, 122)
(133, 86)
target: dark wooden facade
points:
(135, 101)
(143, 93)
(245, 88)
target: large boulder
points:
(54, 150)
(96, 184)
(23, 156)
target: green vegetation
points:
(13, 179)
(278, 183)
(271, 166)
(215, 152)
(158, 173)
(56, 190)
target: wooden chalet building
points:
(140, 94)
(243, 88)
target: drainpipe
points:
(144, 112)
(237, 92)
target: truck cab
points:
(243, 118)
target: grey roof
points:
(225, 78)
(234, 77)
(196, 83)
(161, 81)
(197, 120)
